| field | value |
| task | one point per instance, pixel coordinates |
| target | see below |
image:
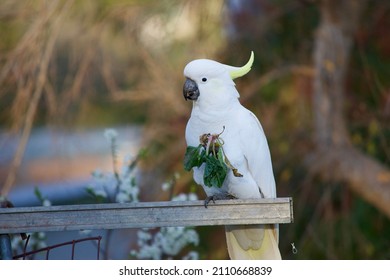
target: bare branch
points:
(335, 157)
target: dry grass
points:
(59, 54)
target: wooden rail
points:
(145, 214)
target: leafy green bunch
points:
(210, 152)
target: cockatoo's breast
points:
(229, 126)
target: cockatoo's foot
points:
(208, 199)
(215, 197)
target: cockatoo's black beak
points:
(190, 90)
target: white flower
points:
(149, 252)
(185, 197)
(192, 237)
(46, 202)
(122, 197)
(101, 193)
(110, 134)
(127, 185)
(180, 197)
(193, 255)
(155, 252)
(166, 186)
(172, 239)
(143, 235)
(134, 194)
(192, 196)
(168, 241)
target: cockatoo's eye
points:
(204, 79)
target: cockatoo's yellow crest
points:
(236, 72)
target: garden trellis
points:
(141, 215)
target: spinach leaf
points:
(194, 157)
(215, 172)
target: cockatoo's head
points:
(207, 77)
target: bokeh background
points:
(319, 85)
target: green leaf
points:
(38, 194)
(98, 197)
(220, 157)
(193, 157)
(215, 172)
(216, 164)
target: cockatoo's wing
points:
(255, 241)
(256, 151)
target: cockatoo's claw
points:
(208, 199)
(215, 197)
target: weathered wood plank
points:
(145, 214)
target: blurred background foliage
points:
(75, 65)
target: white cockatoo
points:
(217, 111)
